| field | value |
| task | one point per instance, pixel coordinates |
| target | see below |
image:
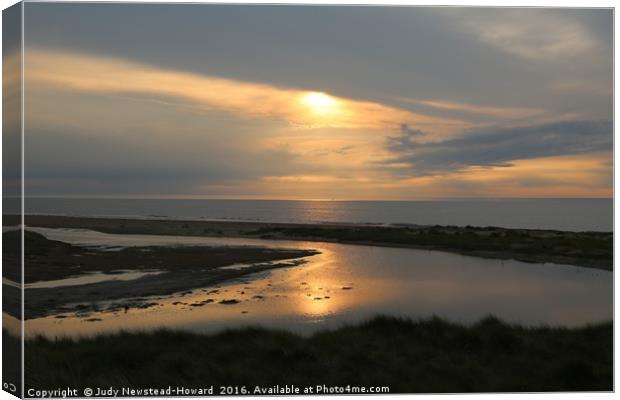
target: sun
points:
(319, 102)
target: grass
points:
(588, 249)
(408, 356)
(11, 361)
(591, 249)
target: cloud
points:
(187, 160)
(495, 147)
(67, 71)
(538, 36)
(497, 112)
(405, 140)
(529, 33)
(11, 121)
(583, 87)
(584, 175)
(284, 109)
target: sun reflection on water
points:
(347, 284)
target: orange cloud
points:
(564, 176)
(58, 70)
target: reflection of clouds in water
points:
(402, 282)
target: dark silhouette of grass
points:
(11, 363)
(408, 356)
(588, 249)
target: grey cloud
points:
(535, 34)
(498, 146)
(383, 54)
(405, 140)
(397, 52)
(100, 164)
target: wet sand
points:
(181, 268)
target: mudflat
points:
(178, 268)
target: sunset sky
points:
(317, 102)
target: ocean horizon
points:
(567, 214)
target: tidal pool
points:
(348, 284)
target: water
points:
(348, 284)
(560, 214)
(91, 277)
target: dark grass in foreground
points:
(423, 356)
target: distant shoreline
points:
(585, 249)
(574, 214)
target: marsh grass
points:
(429, 355)
(590, 249)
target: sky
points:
(317, 102)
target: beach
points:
(178, 269)
(97, 267)
(104, 283)
(586, 249)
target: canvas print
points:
(229, 199)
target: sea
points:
(574, 214)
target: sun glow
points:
(319, 102)
(48, 71)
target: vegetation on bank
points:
(589, 249)
(408, 356)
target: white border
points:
(479, 3)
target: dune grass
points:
(408, 356)
(588, 249)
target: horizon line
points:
(249, 198)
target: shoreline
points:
(584, 249)
(579, 356)
(168, 218)
(179, 269)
